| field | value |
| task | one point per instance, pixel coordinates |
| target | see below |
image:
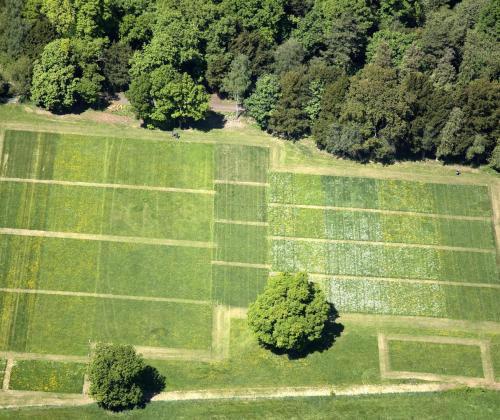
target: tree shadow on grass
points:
(331, 332)
(151, 382)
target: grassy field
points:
(459, 404)
(381, 242)
(48, 376)
(435, 358)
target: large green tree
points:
(119, 378)
(261, 104)
(290, 314)
(237, 81)
(67, 74)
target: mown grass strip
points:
(106, 238)
(385, 244)
(105, 296)
(104, 185)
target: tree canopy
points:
(290, 313)
(119, 378)
(397, 70)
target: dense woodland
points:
(368, 79)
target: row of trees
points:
(369, 79)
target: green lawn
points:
(237, 286)
(241, 243)
(371, 193)
(153, 214)
(460, 404)
(241, 163)
(105, 267)
(29, 154)
(380, 227)
(240, 202)
(43, 375)
(441, 359)
(65, 324)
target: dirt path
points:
(247, 183)
(106, 185)
(388, 244)
(221, 331)
(105, 296)
(7, 373)
(240, 222)
(400, 280)
(106, 238)
(392, 212)
(241, 264)
(495, 202)
(165, 353)
(42, 356)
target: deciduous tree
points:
(290, 314)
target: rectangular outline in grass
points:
(388, 373)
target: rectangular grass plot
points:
(451, 359)
(241, 243)
(237, 286)
(47, 376)
(70, 157)
(59, 324)
(240, 202)
(241, 163)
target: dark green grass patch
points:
(106, 211)
(241, 163)
(379, 227)
(48, 376)
(384, 261)
(105, 267)
(241, 243)
(66, 324)
(240, 202)
(237, 286)
(441, 359)
(71, 157)
(369, 193)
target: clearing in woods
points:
(163, 244)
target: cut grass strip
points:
(47, 376)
